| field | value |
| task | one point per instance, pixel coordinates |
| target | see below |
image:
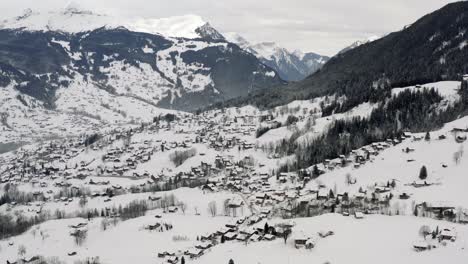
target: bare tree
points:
(349, 179)
(424, 231)
(83, 201)
(458, 155)
(21, 250)
(104, 224)
(212, 209)
(226, 207)
(80, 237)
(286, 234)
(183, 207)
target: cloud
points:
(311, 25)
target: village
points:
(133, 172)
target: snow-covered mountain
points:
(74, 19)
(77, 60)
(359, 43)
(291, 66)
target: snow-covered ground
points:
(239, 172)
(375, 239)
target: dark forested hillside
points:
(38, 63)
(433, 48)
(409, 111)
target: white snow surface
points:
(74, 19)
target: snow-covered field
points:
(227, 185)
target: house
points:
(324, 234)
(236, 202)
(242, 237)
(230, 236)
(206, 237)
(204, 245)
(301, 240)
(358, 215)
(310, 243)
(194, 252)
(173, 260)
(254, 219)
(447, 234)
(421, 246)
(404, 196)
(255, 238)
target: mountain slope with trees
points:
(432, 49)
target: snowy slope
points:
(446, 176)
(376, 239)
(111, 68)
(74, 19)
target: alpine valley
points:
(166, 140)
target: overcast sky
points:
(322, 26)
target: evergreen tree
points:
(231, 261)
(428, 136)
(423, 173)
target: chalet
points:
(79, 225)
(443, 208)
(322, 194)
(241, 220)
(204, 245)
(249, 231)
(153, 226)
(421, 183)
(324, 234)
(302, 240)
(173, 209)
(421, 246)
(194, 253)
(358, 215)
(173, 260)
(310, 243)
(265, 211)
(206, 237)
(242, 237)
(269, 237)
(231, 225)
(224, 230)
(382, 189)
(235, 203)
(447, 234)
(255, 238)
(209, 187)
(404, 196)
(230, 236)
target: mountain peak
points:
(74, 19)
(291, 66)
(75, 8)
(210, 33)
(176, 26)
(359, 43)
